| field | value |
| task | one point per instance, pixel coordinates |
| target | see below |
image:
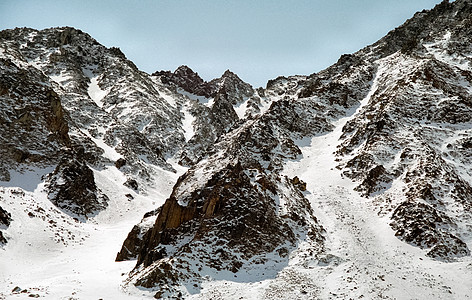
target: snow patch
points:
(208, 102)
(187, 122)
(52, 255)
(169, 99)
(95, 92)
(108, 151)
(439, 49)
(241, 108)
(60, 78)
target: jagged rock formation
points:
(223, 103)
(31, 131)
(72, 188)
(188, 80)
(113, 110)
(5, 219)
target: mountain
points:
(353, 182)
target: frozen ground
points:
(51, 255)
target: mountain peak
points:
(185, 70)
(228, 73)
(429, 25)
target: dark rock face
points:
(232, 86)
(135, 240)
(5, 219)
(33, 125)
(202, 224)
(229, 83)
(224, 115)
(217, 116)
(330, 86)
(72, 188)
(209, 211)
(188, 80)
(422, 226)
(424, 26)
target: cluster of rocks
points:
(5, 219)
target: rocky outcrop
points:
(33, 123)
(423, 226)
(72, 188)
(215, 114)
(5, 219)
(425, 26)
(230, 85)
(188, 80)
(230, 220)
(136, 238)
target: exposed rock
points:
(120, 163)
(5, 217)
(135, 240)
(203, 223)
(231, 86)
(33, 114)
(188, 80)
(422, 225)
(72, 188)
(218, 200)
(132, 184)
(299, 183)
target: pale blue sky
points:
(258, 40)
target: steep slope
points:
(234, 209)
(354, 182)
(220, 104)
(88, 140)
(406, 147)
(393, 146)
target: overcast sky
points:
(258, 40)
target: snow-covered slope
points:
(351, 183)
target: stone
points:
(71, 187)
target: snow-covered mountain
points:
(354, 182)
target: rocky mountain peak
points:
(447, 18)
(232, 86)
(229, 74)
(188, 80)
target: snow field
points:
(56, 257)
